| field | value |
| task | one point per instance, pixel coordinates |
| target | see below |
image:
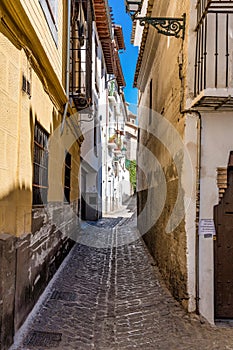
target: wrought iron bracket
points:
(166, 25)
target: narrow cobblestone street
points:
(113, 297)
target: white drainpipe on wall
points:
(198, 175)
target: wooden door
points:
(223, 251)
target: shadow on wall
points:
(27, 262)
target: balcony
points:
(81, 55)
(213, 80)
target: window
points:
(40, 166)
(50, 9)
(81, 53)
(67, 178)
(26, 86)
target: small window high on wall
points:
(50, 9)
(40, 166)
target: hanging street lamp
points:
(169, 26)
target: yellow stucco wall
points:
(42, 65)
(37, 18)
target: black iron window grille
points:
(214, 45)
(26, 86)
(81, 54)
(67, 178)
(40, 166)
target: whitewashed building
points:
(116, 182)
(101, 81)
(131, 134)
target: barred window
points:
(67, 179)
(40, 165)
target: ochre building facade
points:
(39, 166)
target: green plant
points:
(131, 166)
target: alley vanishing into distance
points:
(116, 168)
(110, 295)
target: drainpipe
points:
(199, 137)
(67, 66)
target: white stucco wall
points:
(216, 144)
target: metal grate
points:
(66, 296)
(67, 179)
(45, 339)
(40, 165)
(26, 86)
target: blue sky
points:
(129, 56)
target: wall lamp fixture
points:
(169, 26)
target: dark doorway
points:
(223, 250)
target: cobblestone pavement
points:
(113, 298)
(106, 222)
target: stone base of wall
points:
(35, 265)
(26, 266)
(168, 249)
(7, 289)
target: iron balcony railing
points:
(208, 6)
(214, 45)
